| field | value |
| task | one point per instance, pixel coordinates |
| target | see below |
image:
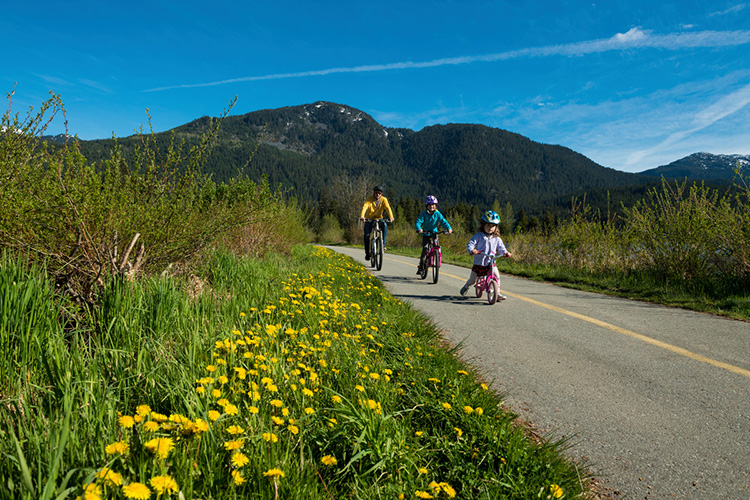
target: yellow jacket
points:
(371, 210)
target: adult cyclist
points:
(374, 208)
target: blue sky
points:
(631, 84)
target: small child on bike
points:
(430, 221)
(486, 241)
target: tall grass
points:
(283, 378)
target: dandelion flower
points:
(126, 421)
(138, 491)
(120, 447)
(253, 410)
(293, 429)
(211, 368)
(448, 490)
(329, 460)
(336, 399)
(423, 494)
(239, 459)
(270, 437)
(91, 492)
(213, 415)
(422, 470)
(359, 388)
(418, 433)
(277, 420)
(160, 447)
(110, 477)
(277, 403)
(238, 477)
(235, 429)
(274, 474)
(447, 406)
(143, 410)
(468, 409)
(164, 484)
(234, 445)
(309, 411)
(307, 392)
(557, 492)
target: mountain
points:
(701, 166)
(305, 148)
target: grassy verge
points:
(632, 285)
(273, 378)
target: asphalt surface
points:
(655, 401)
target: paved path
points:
(657, 400)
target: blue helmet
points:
(491, 217)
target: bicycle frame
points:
(434, 256)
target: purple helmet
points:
(430, 200)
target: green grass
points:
(283, 377)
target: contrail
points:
(633, 39)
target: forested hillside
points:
(305, 148)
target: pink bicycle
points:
(487, 281)
(434, 256)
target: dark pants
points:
(368, 230)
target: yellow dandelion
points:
(557, 492)
(274, 474)
(164, 484)
(143, 410)
(468, 409)
(237, 477)
(235, 429)
(270, 437)
(91, 492)
(448, 489)
(293, 429)
(239, 459)
(463, 372)
(120, 447)
(329, 460)
(223, 379)
(213, 415)
(307, 392)
(374, 376)
(418, 433)
(234, 445)
(161, 447)
(422, 494)
(422, 470)
(277, 420)
(336, 399)
(138, 491)
(211, 368)
(110, 477)
(309, 411)
(231, 410)
(447, 406)
(126, 421)
(200, 390)
(359, 388)
(253, 410)
(277, 403)
(479, 411)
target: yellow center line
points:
(623, 331)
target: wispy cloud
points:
(704, 118)
(730, 10)
(636, 38)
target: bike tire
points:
(435, 266)
(373, 248)
(423, 274)
(379, 254)
(478, 288)
(492, 291)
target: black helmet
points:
(378, 188)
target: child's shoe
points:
(464, 289)
(500, 296)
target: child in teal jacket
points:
(430, 221)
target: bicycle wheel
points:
(379, 253)
(373, 250)
(435, 265)
(423, 274)
(492, 292)
(479, 287)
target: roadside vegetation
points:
(164, 336)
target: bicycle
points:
(434, 256)
(487, 281)
(376, 243)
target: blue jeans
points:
(368, 230)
